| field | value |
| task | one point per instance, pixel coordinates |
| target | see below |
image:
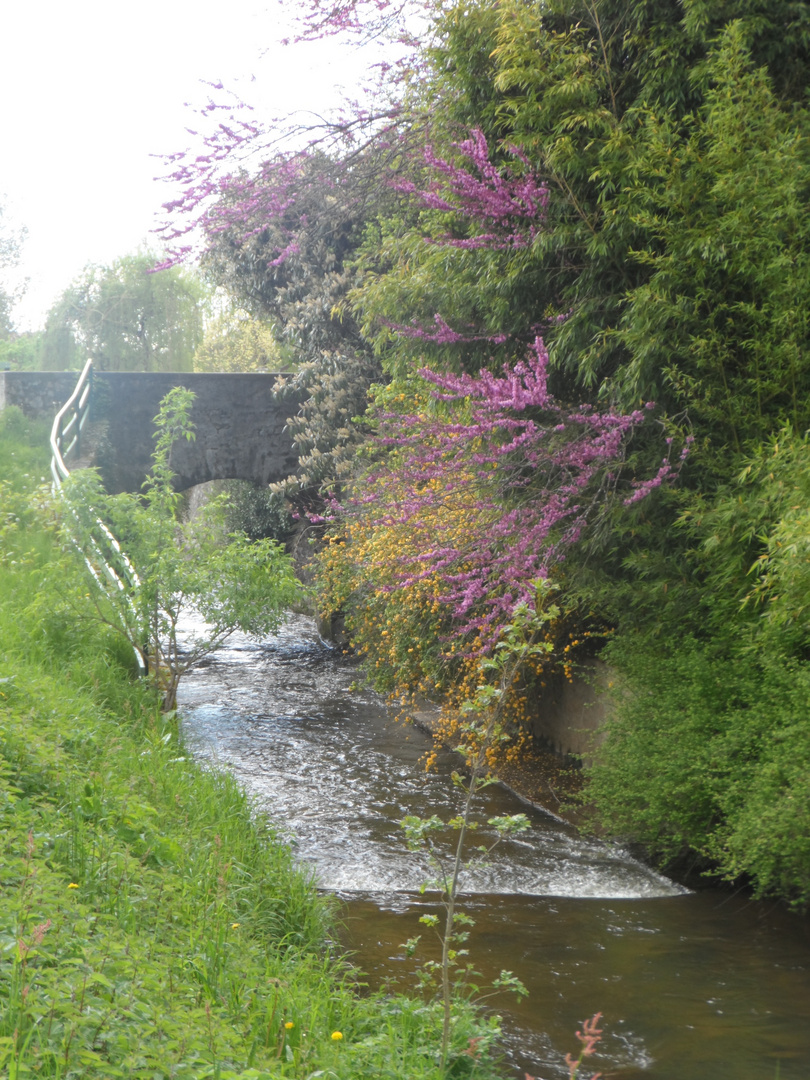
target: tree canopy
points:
(125, 317)
(233, 341)
(11, 241)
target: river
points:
(691, 985)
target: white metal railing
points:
(70, 430)
(101, 549)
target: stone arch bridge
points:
(240, 425)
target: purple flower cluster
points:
(243, 204)
(484, 194)
(524, 472)
(667, 471)
(363, 18)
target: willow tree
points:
(125, 317)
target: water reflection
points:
(699, 986)
(691, 985)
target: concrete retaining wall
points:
(567, 717)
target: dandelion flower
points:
(289, 1025)
(234, 926)
(337, 1036)
(73, 885)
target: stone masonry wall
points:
(40, 394)
(239, 425)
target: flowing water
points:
(692, 985)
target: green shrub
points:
(708, 749)
(258, 512)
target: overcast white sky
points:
(91, 88)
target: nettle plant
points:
(180, 567)
(485, 726)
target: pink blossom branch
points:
(525, 473)
(484, 194)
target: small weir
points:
(705, 985)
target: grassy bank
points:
(150, 924)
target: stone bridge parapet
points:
(240, 424)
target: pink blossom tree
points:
(525, 474)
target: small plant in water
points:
(589, 1037)
(484, 728)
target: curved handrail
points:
(78, 406)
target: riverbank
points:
(152, 924)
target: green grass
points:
(151, 925)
